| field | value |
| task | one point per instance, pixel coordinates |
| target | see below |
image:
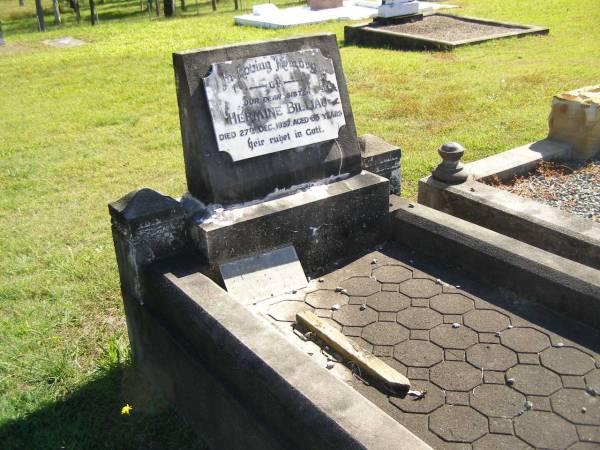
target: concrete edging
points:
(527, 220)
(268, 376)
(372, 36)
(558, 283)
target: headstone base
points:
(324, 224)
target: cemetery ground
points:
(80, 126)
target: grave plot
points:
(495, 371)
(529, 210)
(457, 320)
(573, 187)
(434, 32)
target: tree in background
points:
(93, 14)
(41, 25)
(74, 4)
(56, 11)
(168, 8)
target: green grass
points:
(81, 127)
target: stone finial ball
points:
(452, 147)
(450, 170)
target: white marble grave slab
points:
(273, 17)
(273, 103)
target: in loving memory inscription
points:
(272, 103)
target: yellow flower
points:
(125, 410)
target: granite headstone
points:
(260, 117)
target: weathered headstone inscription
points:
(273, 103)
(260, 117)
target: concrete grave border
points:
(229, 371)
(372, 36)
(527, 220)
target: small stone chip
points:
(339, 289)
(329, 365)
(374, 261)
(456, 325)
(528, 405)
(321, 280)
(510, 327)
(335, 307)
(590, 390)
(363, 307)
(560, 344)
(583, 409)
(510, 381)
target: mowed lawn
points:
(83, 126)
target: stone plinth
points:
(575, 119)
(324, 223)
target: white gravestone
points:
(273, 103)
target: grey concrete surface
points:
(529, 221)
(563, 285)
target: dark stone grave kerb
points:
(372, 35)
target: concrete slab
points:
(476, 392)
(270, 16)
(264, 276)
(519, 160)
(64, 42)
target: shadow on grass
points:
(91, 418)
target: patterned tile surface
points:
(499, 372)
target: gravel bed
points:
(449, 28)
(573, 187)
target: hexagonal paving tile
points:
(592, 379)
(491, 357)
(497, 400)
(392, 274)
(360, 286)
(486, 320)
(545, 430)
(451, 303)
(433, 400)
(420, 288)
(500, 442)
(418, 353)
(446, 336)
(388, 301)
(534, 380)
(354, 316)
(286, 311)
(567, 360)
(455, 376)
(458, 423)
(419, 318)
(526, 340)
(577, 406)
(384, 333)
(326, 299)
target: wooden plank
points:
(350, 350)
